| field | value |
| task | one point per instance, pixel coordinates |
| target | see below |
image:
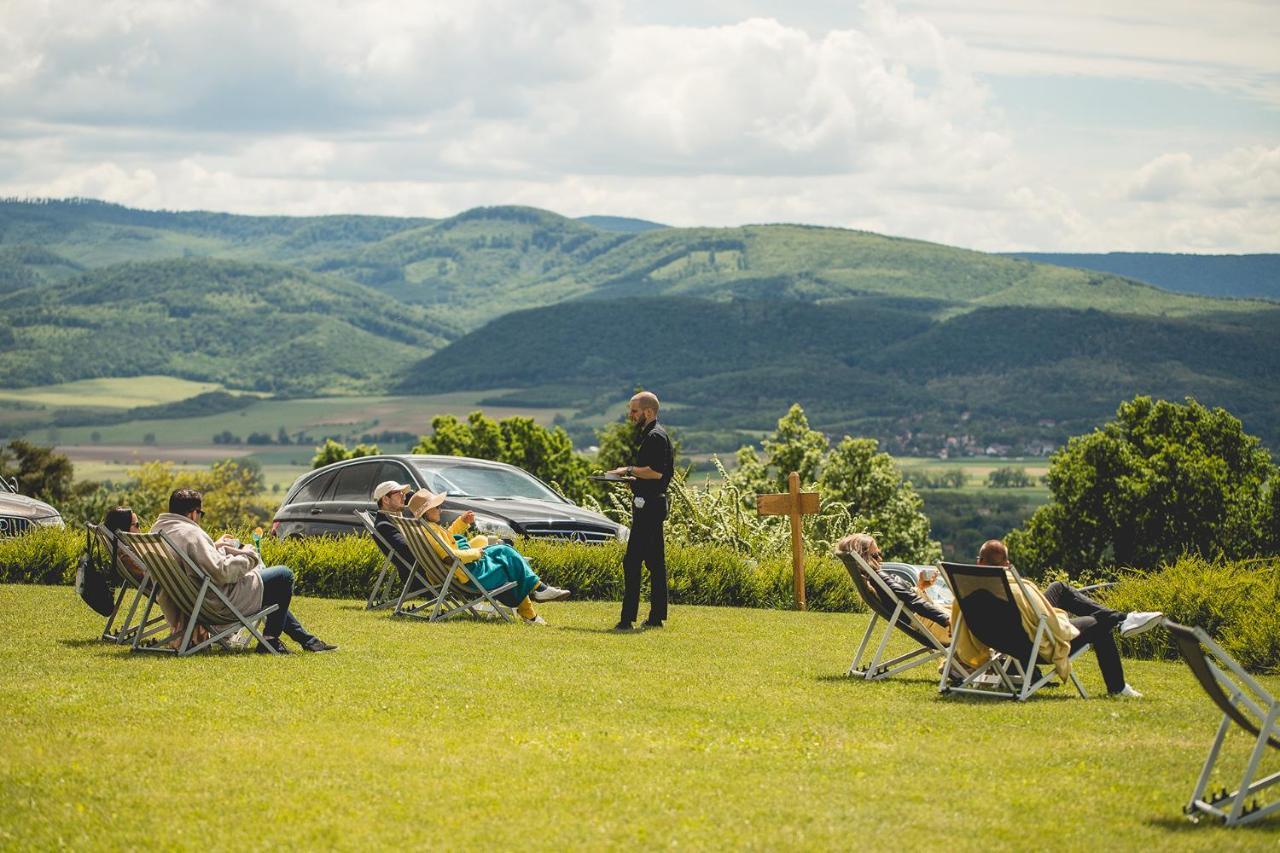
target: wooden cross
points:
(794, 503)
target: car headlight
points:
(624, 533)
(50, 521)
(491, 526)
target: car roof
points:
(407, 458)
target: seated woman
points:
(933, 617)
(492, 564)
(123, 519)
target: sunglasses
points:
(199, 513)
(875, 555)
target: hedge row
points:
(1237, 603)
(346, 567)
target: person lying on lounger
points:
(493, 564)
(1093, 621)
(933, 617)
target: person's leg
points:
(631, 572)
(1104, 648)
(526, 611)
(656, 560)
(277, 588)
(1066, 597)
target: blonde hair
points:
(857, 543)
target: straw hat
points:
(422, 501)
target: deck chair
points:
(886, 606)
(131, 588)
(1246, 703)
(383, 594)
(988, 608)
(448, 596)
(193, 592)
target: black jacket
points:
(402, 556)
(915, 602)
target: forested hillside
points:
(1255, 276)
(923, 345)
(255, 326)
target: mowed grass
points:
(728, 729)
(115, 393)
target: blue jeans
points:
(277, 588)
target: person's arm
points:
(466, 555)
(650, 461)
(223, 568)
(915, 602)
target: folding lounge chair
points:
(383, 594)
(990, 611)
(131, 587)
(450, 596)
(192, 591)
(1246, 703)
(884, 605)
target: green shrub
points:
(44, 555)
(345, 568)
(1237, 603)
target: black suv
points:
(507, 501)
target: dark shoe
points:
(273, 644)
(652, 623)
(624, 628)
(315, 644)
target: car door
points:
(352, 490)
(300, 515)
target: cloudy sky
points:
(1094, 125)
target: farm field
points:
(121, 393)
(318, 417)
(728, 729)
(976, 469)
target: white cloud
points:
(880, 120)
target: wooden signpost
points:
(794, 503)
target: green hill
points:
(257, 326)
(1249, 276)
(1022, 376)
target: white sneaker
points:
(537, 620)
(1128, 693)
(1137, 622)
(550, 593)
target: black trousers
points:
(1096, 624)
(646, 547)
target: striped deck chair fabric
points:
(192, 591)
(452, 595)
(383, 594)
(131, 588)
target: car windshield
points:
(460, 479)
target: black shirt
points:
(401, 556)
(653, 450)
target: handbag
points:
(91, 586)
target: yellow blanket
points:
(1055, 645)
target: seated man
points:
(933, 617)
(238, 571)
(492, 564)
(1093, 621)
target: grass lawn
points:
(730, 728)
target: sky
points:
(998, 125)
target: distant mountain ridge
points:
(915, 342)
(1249, 276)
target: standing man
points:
(650, 475)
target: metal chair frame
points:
(1246, 703)
(452, 597)
(107, 545)
(1012, 675)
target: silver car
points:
(19, 513)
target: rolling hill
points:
(921, 344)
(1250, 276)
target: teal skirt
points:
(499, 565)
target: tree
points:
(41, 473)
(335, 451)
(854, 475)
(1009, 477)
(545, 453)
(1160, 479)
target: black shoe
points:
(623, 628)
(273, 643)
(315, 644)
(652, 623)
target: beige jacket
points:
(1055, 645)
(235, 571)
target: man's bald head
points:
(643, 408)
(993, 553)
